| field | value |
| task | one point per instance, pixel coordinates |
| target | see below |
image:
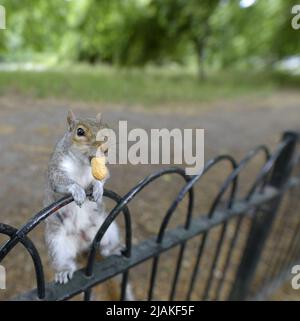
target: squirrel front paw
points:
(97, 191)
(78, 194)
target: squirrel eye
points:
(80, 132)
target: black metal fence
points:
(264, 235)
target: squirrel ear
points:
(98, 118)
(71, 118)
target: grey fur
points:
(72, 229)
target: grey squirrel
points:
(71, 230)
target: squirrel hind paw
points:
(64, 276)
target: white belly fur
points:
(86, 219)
(81, 174)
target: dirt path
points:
(29, 129)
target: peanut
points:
(99, 169)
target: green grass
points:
(147, 87)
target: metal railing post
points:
(262, 222)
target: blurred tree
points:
(135, 32)
(189, 19)
(34, 24)
(247, 36)
(126, 32)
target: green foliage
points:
(34, 25)
(137, 32)
(244, 36)
(125, 33)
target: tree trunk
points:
(200, 45)
(200, 51)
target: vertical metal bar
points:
(30, 247)
(153, 277)
(277, 249)
(87, 295)
(161, 233)
(262, 222)
(215, 261)
(177, 271)
(124, 286)
(229, 255)
(296, 228)
(294, 250)
(196, 267)
(182, 246)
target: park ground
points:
(237, 114)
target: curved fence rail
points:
(260, 207)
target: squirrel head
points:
(84, 135)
